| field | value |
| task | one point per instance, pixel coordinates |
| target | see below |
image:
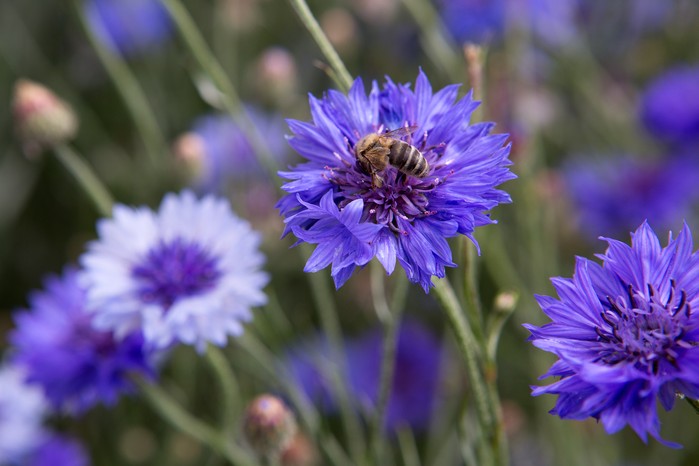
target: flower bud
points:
(190, 150)
(299, 452)
(269, 426)
(41, 118)
(506, 302)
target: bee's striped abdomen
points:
(408, 159)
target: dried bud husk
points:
(269, 426)
(42, 119)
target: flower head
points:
(625, 333)
(129, 27)
(336, 202)
(616, 194)
(188, 273)
(22, 410)
(670, 105)
(76, 365)
(415, 382)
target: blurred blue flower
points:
(406, 218)
(670, 105)
(624, 333)
(57, 450)
(481, 21)
(129, 27)
(415, 383)
(75, 365)
(22, 410)
(475, 21)
(614, 195)
(188, 273)
(223, 152)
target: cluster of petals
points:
(333, 202)
(189, 273)
(626, 333)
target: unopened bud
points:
(269, 426)
(505, 302)
(41, 118)
(340, 27)
(275, 72)
(190, 150)
(299, 452)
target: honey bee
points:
(375, 151)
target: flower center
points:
(401, 196)
(644, 330)
(173, 270)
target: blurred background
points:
(600, 98)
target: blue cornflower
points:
(129, 27)
(415, 383)
(614, 195)
(22, 410)
(670, 106)
(335, 202)
(222, 152)
(625, 333)
(482, 21)
(56, 450)
(188, 273)
(76, 365)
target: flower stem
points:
(87, 179)
(327, 311)
(229, 95)
(492, 437)
(343, 78)
(390, 322)
(127, 85)
(437, 45)
(230, 392)
(173, 413)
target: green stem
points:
(390, 322)
(87, 179)
(343, 78)
(492, 436)
(127, 85)
(173, 413)
(474, 311)
(230, 391)
(210, 65)
(327, 311)
(438, 47)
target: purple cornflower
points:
(415, 383)
(670, 106)
(223, 152)
(22, 410)
(57, 450)
(614, 195)
(76, 365)
(482, 21)
(129, 27)
(335, 203)
(626, 333)
(188, 273)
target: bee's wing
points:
(400, 132)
